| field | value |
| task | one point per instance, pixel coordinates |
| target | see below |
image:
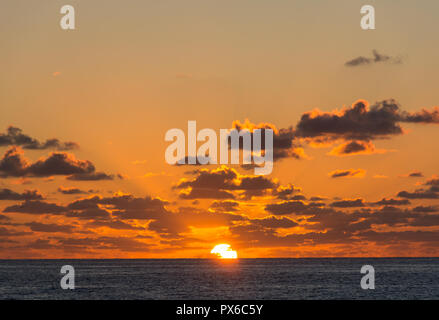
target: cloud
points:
(124, 206)
(286, 192)
(287, 207)
(60, 164)
(348, 203)
(14, 164)
(92, 176)
(126, 244)
(349, 173)
(8, 194)
(224, 206)
(5, 232)
(115, 224)
(36, 207)
(63, 190)
(91, 213)
(274, 222)
(352, 148)
(420, 194)
(222, 183)
(433, 184)
(191, 193)
(15, 137)
(359, 122)
(415, 174)
(283, 139)
(424, 116)
(392, 202)
(353, 128)
(377, 58)
(49, 227)
(175, 223)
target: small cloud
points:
(56, 73)
(349, 173)
(63, 190)
(348, 203)
(352, 148)
(413, 174)
(377, 57)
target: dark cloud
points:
(358, 122)
(286, 192)
(330, 226)
(5, 232)
(123, 207)
(49, 227)
(126, 244)
(317, 198)
(431, 192)
(14, 164)
(192, 193)
(377, 58)
(400, 236)
(348, 203)
(92, 176)
(71, 190)
(351, 148)
(392, 202)
(60, 164)
(433, 184)
(224, 206)
(284, 145)
(115, 224)
(91, 213)
(220, 183)
(423, 116)
(415, 174)
(4, 218)
(425, 209)
(349, 173)
(420, 194)
(15, 136)
(173, 223)
(36, 207)
(274, 222)
(287, 207)
(8, 194)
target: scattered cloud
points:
(15, 137)
(8, 194)
(349, 173)
(377, 58)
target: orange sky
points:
(132, 71)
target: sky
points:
(84, 112)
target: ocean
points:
(329, 278)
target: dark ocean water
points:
(396, 278)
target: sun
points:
(224, 251)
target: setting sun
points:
(224, 251)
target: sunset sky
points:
(356, 171)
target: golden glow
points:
(224, 251)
